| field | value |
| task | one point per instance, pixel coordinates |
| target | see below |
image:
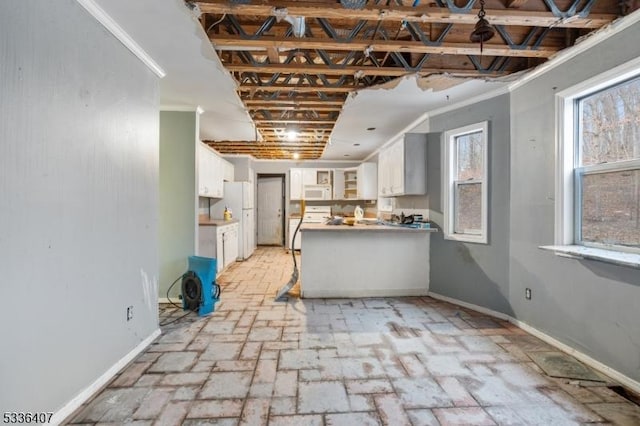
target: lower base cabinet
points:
(219, 242)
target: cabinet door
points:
(367, 181)
(207, 241)
(309, 177)
(338, 184)
(350, 184)
(217, 176)
(295, 184)
(384, 173)
(203, 170)
(397, 168)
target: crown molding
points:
(112, 26)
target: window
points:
(465, 183)
(598, 185)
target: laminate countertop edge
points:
(314, 227)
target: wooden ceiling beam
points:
(294, 121)
(345, 88)
(425, 14)
(319, 108)
(399, 46)
(352, 70)
(290, 102)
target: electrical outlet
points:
(527, 293)
(129, 313)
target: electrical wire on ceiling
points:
(216, 23)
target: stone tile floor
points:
(382, 361)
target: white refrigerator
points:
(238, 196)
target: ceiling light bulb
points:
(292, 135)
(296, 155)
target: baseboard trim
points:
(591, 362)
(71, 406)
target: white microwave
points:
(317, 192)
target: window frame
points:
(568, 212)
(450, 184)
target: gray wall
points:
(178, 196)
(590, 305)
(474, 273)
(79, 205)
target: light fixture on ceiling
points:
(292, 135)
(296, 155)
(482, 31)
(371, 129)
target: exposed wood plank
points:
(233, 41)
(346, 88)
(352, 70)
(515, 4)
(295, 121)
(395, 13)
(316, 108)
(274, 57)
(290, 102)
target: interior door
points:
(270, 210)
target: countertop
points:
(216, 222)
(313, 227)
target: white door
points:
(270, 205)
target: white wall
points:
(78, 205)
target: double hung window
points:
(465, 183)
(598, 177)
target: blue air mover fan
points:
(199, 289)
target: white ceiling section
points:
(171, 34)
(390, 110)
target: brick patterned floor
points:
(379, 361)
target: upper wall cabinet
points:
(300, 177)
(402, 167)
(357, 183)
(212, 172)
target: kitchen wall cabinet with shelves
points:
(356, 183)
(402, 167)
(213, 170)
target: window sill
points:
(580, 252)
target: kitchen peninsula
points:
(364, 261)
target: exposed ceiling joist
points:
(233, 41)
(295, 62)
(424, 14)
(354, 70)
(295, 88)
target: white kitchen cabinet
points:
(356, 183)
(211, 172)
(219, 242)
(402, 167)
(230, 244)
(295, 184)
(299, 177)
(367, 186)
